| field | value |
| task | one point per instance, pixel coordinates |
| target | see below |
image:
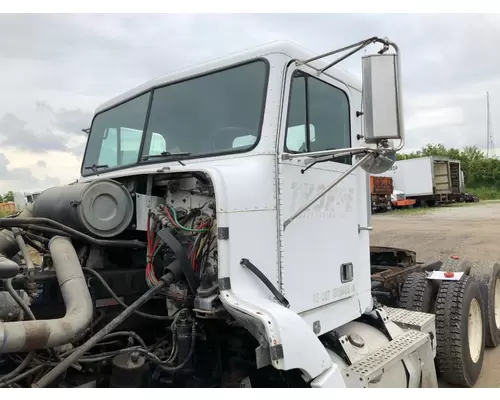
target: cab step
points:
(361, 373)
(416, 320)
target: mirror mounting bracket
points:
(356, 47)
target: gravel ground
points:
(471, 231)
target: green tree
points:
(479, 171)
(9, 196)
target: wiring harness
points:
(199, 249)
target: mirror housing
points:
(382, 105)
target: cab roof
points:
(287, 48)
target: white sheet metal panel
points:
(413, 177)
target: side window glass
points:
(108, 154)
(328, 112)
(296, 135)
(158, 144)
(318, 117)
(130, 143)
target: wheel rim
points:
(475, 330)
(497, 303)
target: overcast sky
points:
(56, 69)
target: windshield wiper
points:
(167, 154)
(95, 167)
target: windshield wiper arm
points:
(95, 167)
(167, 154)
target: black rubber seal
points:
(246, 263)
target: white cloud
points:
(72, 63)
(435, 118)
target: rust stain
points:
(36, 336)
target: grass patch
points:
(4, 214)
(485, 193)
(423, 210)
(415, 210)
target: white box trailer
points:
(428, 180)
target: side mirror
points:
(382, 103)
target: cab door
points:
(318, 254)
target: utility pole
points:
(490, 145)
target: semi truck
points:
(429, 180)
(381, 189)
(238, 255)
(385, 196)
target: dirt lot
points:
(472, 231)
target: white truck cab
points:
(273, 147)
(253, 122)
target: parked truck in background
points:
(385, 196)
(428, 180)
(399, 200)
(381, 188)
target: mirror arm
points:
(322, 153)
(357, 47)
(338, 60)
(313, 161)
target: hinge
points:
(223, 233)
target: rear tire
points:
(488, 278)
(460, 331)
(418, 293)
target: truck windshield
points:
(213, 114)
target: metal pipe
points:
(320, 153)
(331, 53)
(30, 284)
(19, 301)
(37, 223)
(22, 336)
(73, 357)
(24, 251)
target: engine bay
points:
(126, 292)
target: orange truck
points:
(381, 188)
(399, 200)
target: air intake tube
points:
(22, 336)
